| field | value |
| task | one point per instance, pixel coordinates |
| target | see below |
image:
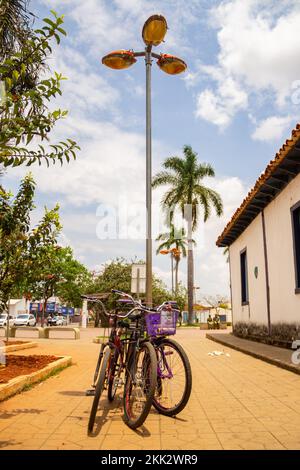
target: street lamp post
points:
(153, 33)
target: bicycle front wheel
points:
(99, 388)
(174, 378)
(140, 384)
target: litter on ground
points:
(218, 353)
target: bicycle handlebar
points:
(137, 304)
(94, 299)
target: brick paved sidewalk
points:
(272, 354)
(237, 402)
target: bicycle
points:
(174, 375)
(135, 356)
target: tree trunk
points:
(190, 274)
(44, 311)
(176, 274)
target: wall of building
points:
(284, 303)
(252, 240)
(17, 307)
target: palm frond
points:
(14, 25)
(174, 163)
(164, 178)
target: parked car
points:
(25, 319)
(3, 319)
(57, 320)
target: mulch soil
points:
(23, 365)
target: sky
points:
(235, 105)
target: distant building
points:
(17, 306)
(263, 237)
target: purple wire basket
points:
(161, 323)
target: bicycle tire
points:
(149, 372)
(96, 373)
(99, 389)
(188, 380)
(111, 391)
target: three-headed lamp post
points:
(154, 31)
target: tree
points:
(75, 278)
(20, 245)
(117, 275)
(186, 191)
(217, 302)
(58, 273)
(14, 26)
(24, 111)
(177, 239)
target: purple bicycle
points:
(174, 375)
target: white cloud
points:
(272, 128)
(220, 107)
(258, 51)
(84, 89)
(108, 25)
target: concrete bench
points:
(204, 326)
(75, 330)
(39, 329)
(4, 328)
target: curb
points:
(17, 384)
(18, 347)
(269, 360)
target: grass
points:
(195, 325)
(53, 372)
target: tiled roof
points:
(227, 236)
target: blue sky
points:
(235, 105)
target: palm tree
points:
(14, 25)
(184, 177)
(177, 239)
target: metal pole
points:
(7, 322)
(148, 60)
(138, 284)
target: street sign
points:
(50, 307)
(35, 307)
(138, 279)
(63, 310)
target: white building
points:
(17, 306)
(263, 237)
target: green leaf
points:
(50, 22)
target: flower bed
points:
(23, 365)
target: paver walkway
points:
(274, 355)
(237, 402)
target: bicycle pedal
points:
(90, 392)
(119, 382)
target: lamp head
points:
(154, 30)
(119, 60)
(171, 64)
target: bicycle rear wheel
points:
(114, 375)
(140, 384)
(174, 381)
(99, 388)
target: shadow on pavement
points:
(33, 411)
(73, 393)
